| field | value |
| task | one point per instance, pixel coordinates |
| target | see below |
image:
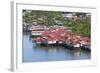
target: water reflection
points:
(36, 53)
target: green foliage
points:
(42, 17)
(80, 26)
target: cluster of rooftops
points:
(62, 36)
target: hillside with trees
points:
(80, 23)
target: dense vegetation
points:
(80, 26)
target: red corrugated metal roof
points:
(56, 34)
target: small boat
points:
(86, 47)
(77, 45)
